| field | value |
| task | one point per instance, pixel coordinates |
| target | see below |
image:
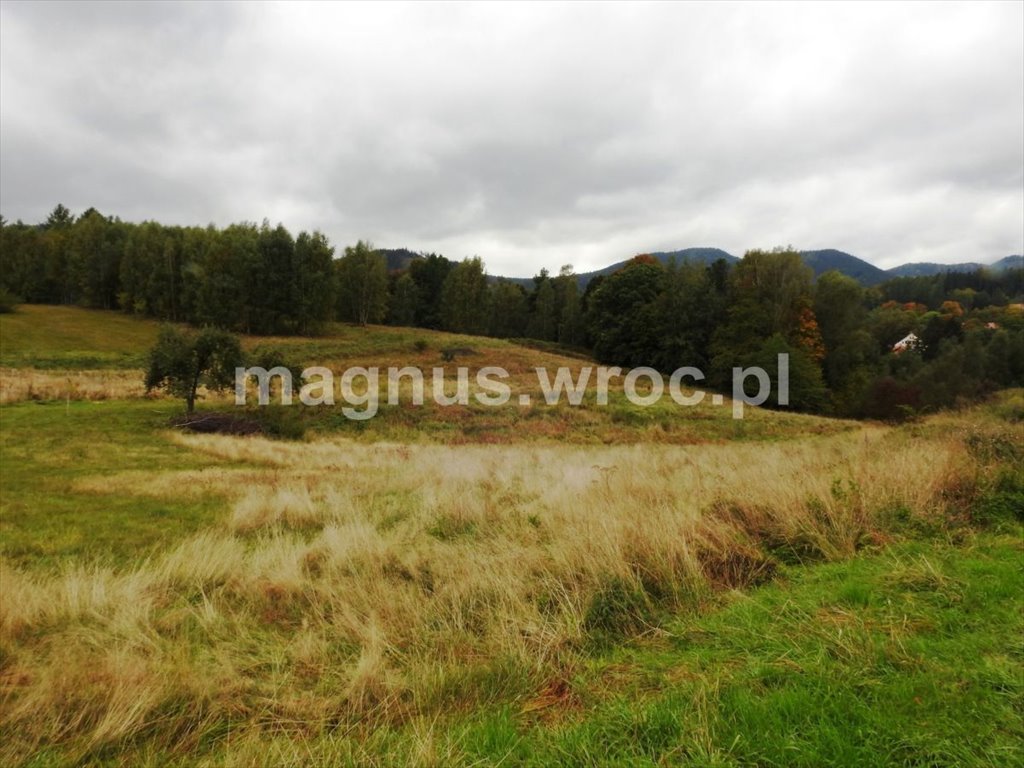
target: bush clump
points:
(619, 608)
(8, 301)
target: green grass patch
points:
(46, 448)
(74, 338)
(908, 657)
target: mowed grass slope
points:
(45, 336)
(72, 338)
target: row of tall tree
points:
(262, 280)
(436, 293)
(249, 278)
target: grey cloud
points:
(531, 135)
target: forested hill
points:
(925, 268)
(398, 258)
(828, 259)
(686, 255)
(691, 255)
(820, 261)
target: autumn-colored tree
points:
(643, 258)
(808, 335)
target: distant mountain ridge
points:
(693, 255)
(398, 258)
(820, 261)
(829, 258)
(1008, 262)
(924, 268)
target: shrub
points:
(618, 608)
(892, 400)
(280, 421)
(1004, 502)
(8, 301)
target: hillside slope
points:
(99, 355)
(830, 259)
(926, 268)
(693, 255)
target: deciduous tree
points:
(464, 298)
(182, 362)
(314, 282)
(362, 284)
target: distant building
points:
(910, 341)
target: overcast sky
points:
(530, 134)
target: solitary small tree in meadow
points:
(181, 362)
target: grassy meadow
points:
(529, 585)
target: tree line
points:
(967, 330)
(247, 278)
(260, 279)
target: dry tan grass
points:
(366, 583)
(18, 384)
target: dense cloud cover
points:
(532, 135)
